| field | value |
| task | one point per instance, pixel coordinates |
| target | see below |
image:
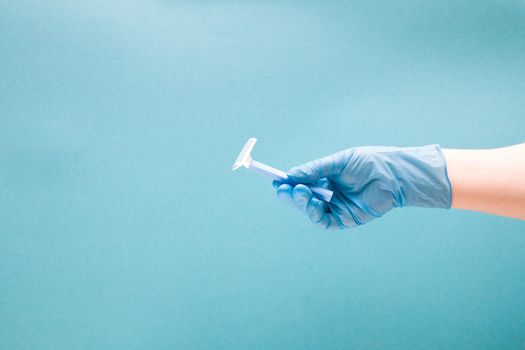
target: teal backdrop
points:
(123, 227)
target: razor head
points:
(245, 157)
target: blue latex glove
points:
(368, 182)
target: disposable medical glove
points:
(368, 182)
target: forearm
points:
(490, 181)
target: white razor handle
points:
(245, 160)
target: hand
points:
(368, 182)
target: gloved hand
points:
(368, 182)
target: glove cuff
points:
(423, 179)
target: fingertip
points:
(284, 193)
(301, 190)
(284, 189)
(301, 196)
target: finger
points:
(315, 209)
(284, 192)
(334, 223)
(301, 196)
(319, 168)
(320, 214)
(345, 214)
(317, 212)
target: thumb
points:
(319, 168)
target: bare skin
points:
(490, 181)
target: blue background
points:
(122, 226)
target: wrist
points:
(488, 180)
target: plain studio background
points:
(122, 226)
